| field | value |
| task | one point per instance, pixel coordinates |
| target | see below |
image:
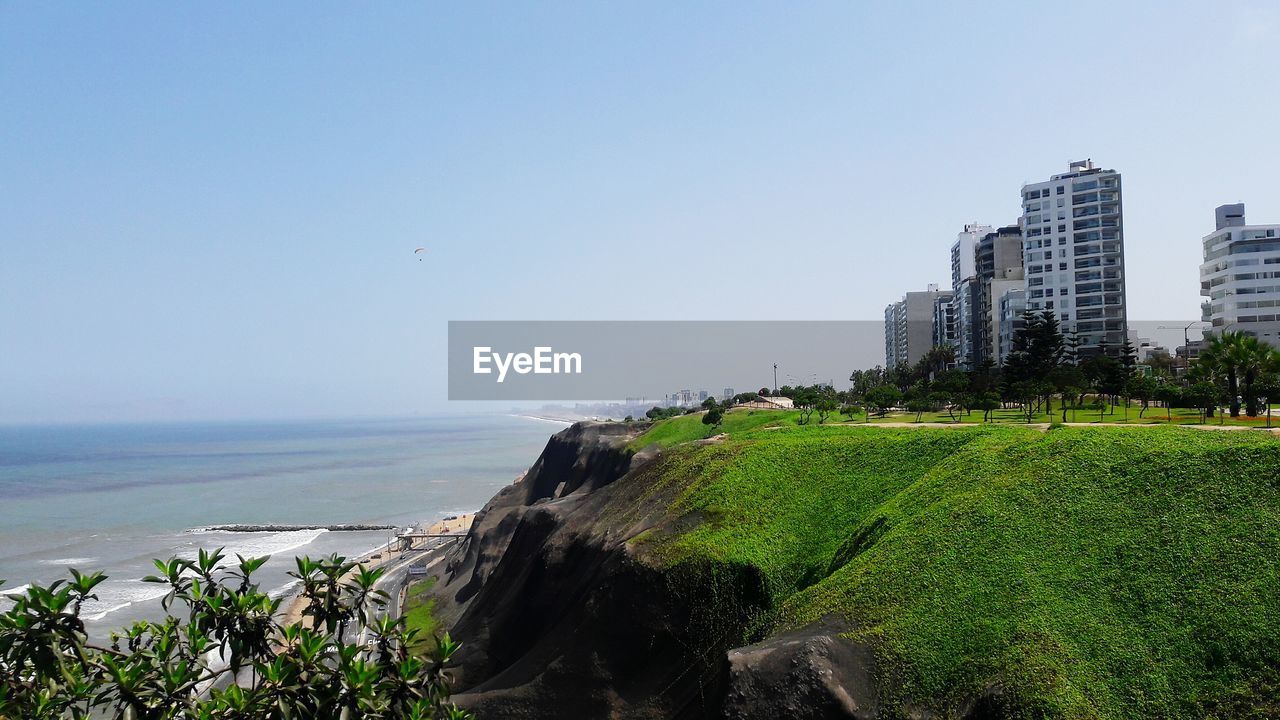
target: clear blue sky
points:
(209, 211)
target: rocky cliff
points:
(561, 618)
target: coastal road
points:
(396, 575)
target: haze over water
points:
(112, 497)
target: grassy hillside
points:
(1085, 572)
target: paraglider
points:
(419, 251)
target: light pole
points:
(775, 379)
(1186, 340)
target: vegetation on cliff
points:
(1080, 572)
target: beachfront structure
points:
(768, 402)
(908, 327)
(1073, 253)
(1240, 276)
(965, 287)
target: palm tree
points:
(1240, 358)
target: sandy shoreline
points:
(383, 555)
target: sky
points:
(210, 211)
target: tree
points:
(950, 390)
(713, 417)
(1037, 351)
(986, 402)
(1027, 393)
(862, 381)
(1202, 395)
(805, 400)
(1100, 405)
(165, 670)
(884, 397)
(1239, 358)
(710, 403)
(824, 402)
(1105, 373)
(1069, 382)
(1143, 388)
(764, 392)
(919, 405)
(1169, 394)
(849, 410)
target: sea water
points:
(113, 497)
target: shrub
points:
(227, 655)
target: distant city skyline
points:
(211, 213)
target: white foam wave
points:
(113, 596)
(557, 421)
(70, 561)
(259, 544)
(19, 590)
(282, 590)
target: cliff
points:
(854, 572)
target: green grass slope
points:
(1084, 572)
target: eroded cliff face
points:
(560, 617)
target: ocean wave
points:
(256, 544)
(70, 561)
(118, 595)
(18, 590)
(282, 590)
(539, 418)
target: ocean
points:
(112, 497)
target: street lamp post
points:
(775, 379)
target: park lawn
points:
(1082, 414)
(684, 428)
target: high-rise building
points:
(1073, 253)
(998, 259)
(1010, 308)
(908, 327)
(1240, 276)
(944, 320)
(965, 288)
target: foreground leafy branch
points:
(228, 655)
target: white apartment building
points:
(1241, 276)
(1073, 253)
(965, 286)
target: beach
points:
(394, 562)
